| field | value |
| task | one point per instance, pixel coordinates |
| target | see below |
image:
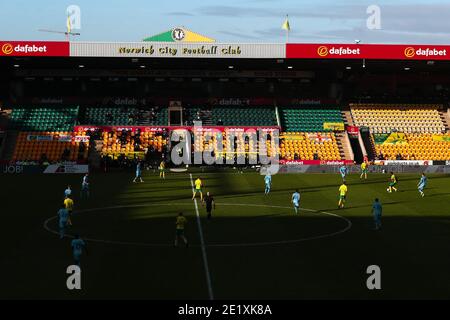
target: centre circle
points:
(239, 228)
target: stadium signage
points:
(177, 50)
(34, 48)
(21, 169)
(306, 102)
(173, 51)
(67, 168)
(69, 138)
(410, 52)
(12, 169)
(65, 138)
(81, 139)
(232, 102)
(353, 130)
(404, 162)
(316, 162)
(171, 128)
(196, 50)
(324, 51)
(367, 51)
(31, 137)
(335, 126)
(51, 100)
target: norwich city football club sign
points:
(176, 49)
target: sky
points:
(243, 21)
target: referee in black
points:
(209, 201)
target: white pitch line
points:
(202, 242)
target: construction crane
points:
(68, 33)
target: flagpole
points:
(287, 28)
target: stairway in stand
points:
(344, 146)
(144, 117)
(95, 150)
(347, 116)
(445, 116)
(206, 117)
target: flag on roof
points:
(286, 25)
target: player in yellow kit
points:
(392, 183)
(363, 170)
(198, 188)
(68, 204)
(180, 224)
(162, 170)
(342, 194)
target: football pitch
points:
(254, 247)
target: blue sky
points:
(338, 21)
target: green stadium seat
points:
(308, 119)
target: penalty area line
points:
(202, 242)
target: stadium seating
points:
(124, 116)
(118, 142)
(43, 119)
(417, 146)
(303, 146)
(191, 115)
(240, 116)
(401, 118)
(308, 120)
(31, 146)
(243, 146)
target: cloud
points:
(400, 23)
(357, 12)
(294, 35)
(243, 35)
(385, 36)
(184, 14)
(428, 18)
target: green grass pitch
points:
(256, 247)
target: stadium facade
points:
(224, 50)
(333, 103)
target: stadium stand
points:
(209, 141)
(43, 147)
(128, 142)
(240, 116)
(309, 146)
(420, 131)
(308, 119)
(404, 131)
(401, 118)
(112, 116)
(192, 114)
(43, 119)
(415, 146)
(125, 116)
